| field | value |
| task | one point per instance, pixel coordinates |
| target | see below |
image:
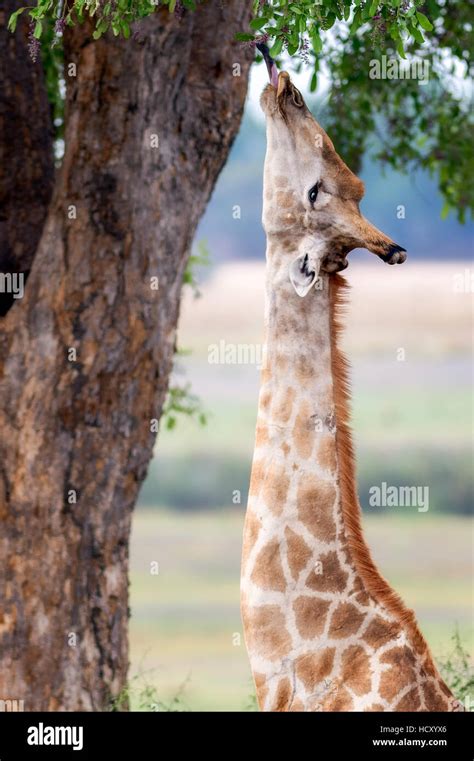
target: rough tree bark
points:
(85, 357)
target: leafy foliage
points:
(181, 401)
(116, 15)
(251, 704)
(408, 123)
(289, 23)
(140, 695)
(199, 259)
(457, 671)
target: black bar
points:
(315, 735)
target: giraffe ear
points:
(304, 271)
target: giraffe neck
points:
(323, 629)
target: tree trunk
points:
(85, 357)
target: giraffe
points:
(323, 629)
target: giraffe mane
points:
(375, 584)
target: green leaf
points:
(294, 39)
(393, 32)
(38, 30)
(172, 6)
(424, 22)
(12, 21)
(257, 23)
(416, 34)
(400, 49)
(373, 7)
(330, 20)
(276, 47)
(356, 23)
(317, 43)
(314, 82)
(101, 27)
(241, 37)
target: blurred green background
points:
(409, 339)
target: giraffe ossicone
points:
(324, 630)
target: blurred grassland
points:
(416, 305)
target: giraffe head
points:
(310, 196)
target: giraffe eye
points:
(313, 193)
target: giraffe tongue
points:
(270, 63)
(273, 74)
